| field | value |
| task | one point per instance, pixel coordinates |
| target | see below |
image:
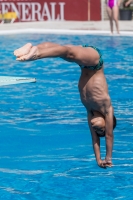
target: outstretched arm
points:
(82, 56)
(96, 146)
(109, 136)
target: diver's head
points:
(98, 123)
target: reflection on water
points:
(46, 150)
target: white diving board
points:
(9, 80)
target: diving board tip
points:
(9, 80)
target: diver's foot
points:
(31, 55)
(23, 50)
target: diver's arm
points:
(96, 147)
(109, 136)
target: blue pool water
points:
(45, 144)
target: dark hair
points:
(114, 125)
(114, 122)
(101, 135)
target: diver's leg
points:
(24, 50)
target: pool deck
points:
(66, 27)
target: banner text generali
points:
(39, 10)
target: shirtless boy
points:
(92, 87)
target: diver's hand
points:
(107, 162)
(101, 164)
